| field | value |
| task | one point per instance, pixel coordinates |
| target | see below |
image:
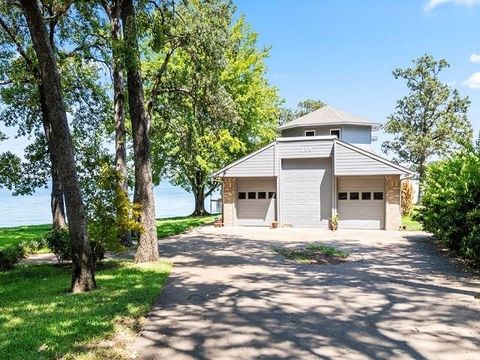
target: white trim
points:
(339, 133)
(375, 126)
(306, 138)
(305, 132)
(246, 157)
(375, 157)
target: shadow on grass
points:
(15, 235)
(173, 226)
(39, 319)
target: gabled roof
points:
(328, 115)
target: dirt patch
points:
(313, 254)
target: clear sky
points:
(343, 51)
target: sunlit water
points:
(35, 209)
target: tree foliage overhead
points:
(304, 107)
(431, 120)
(215, 104)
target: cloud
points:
(432, 4)
(475, 58)
(473, 82)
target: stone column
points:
(229, 213)
(392, 202)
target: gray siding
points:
(361, 214)
(353, 134)
(351, 162)
(306, 186)
(305, 149)
(261, 164)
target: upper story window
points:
(336, 132)
(309, 132)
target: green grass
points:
(311, 253)
(40, 320)
(177, 225)
(15, 235)
(410, 224)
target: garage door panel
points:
(256, 212)
(361, 214)
(305, 202)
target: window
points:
(366, 196)
(242, 195)
(342, 196)
(271, 195)
(335, 132)
(354, 196)
(309, 132)
(252, 195)
(262, 195)
(378, 196)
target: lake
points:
(35, 209)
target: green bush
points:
(58, 241)
(10, 255)
(451, 203)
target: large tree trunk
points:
(147, 241)
(57, 204)
(198, 188)
(114, 12)
(83, 278)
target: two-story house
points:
(320, 165)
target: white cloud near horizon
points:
(475, 58)
(473, 82)
(432, 4)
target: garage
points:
(306, 192)
(256, 199)
(361, 202)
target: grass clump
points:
(313, 253)
(40, 320)
(176, 225)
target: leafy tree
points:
(83, 278)
(220, 105)
(303, 108)
(430, 121)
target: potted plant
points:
(333, 222)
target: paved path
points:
(231, 297)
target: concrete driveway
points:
(231, 297)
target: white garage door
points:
(306, 192)
(256, 201)
(361, 202)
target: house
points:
(320, 165)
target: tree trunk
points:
(147, 241)
(83, 278)
(199, 195)
(57, 204)
(119, 109)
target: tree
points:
(147, 241)
(220, 105)
(303, 108)
(430, 121)
(83, 278)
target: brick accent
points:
(392, 202)
(229, 212)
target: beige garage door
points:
(361, 203)
(256, 201)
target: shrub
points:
(58, 240)
(451, 203)
(10, 255)
(406, 197)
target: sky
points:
(343, 51)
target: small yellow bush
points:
(407, 197)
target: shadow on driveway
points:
(231, 297)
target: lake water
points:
(35, 209)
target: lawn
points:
(15, 235)
(40, 320)
(176, 225)
(410, 224)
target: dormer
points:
(328, 121)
